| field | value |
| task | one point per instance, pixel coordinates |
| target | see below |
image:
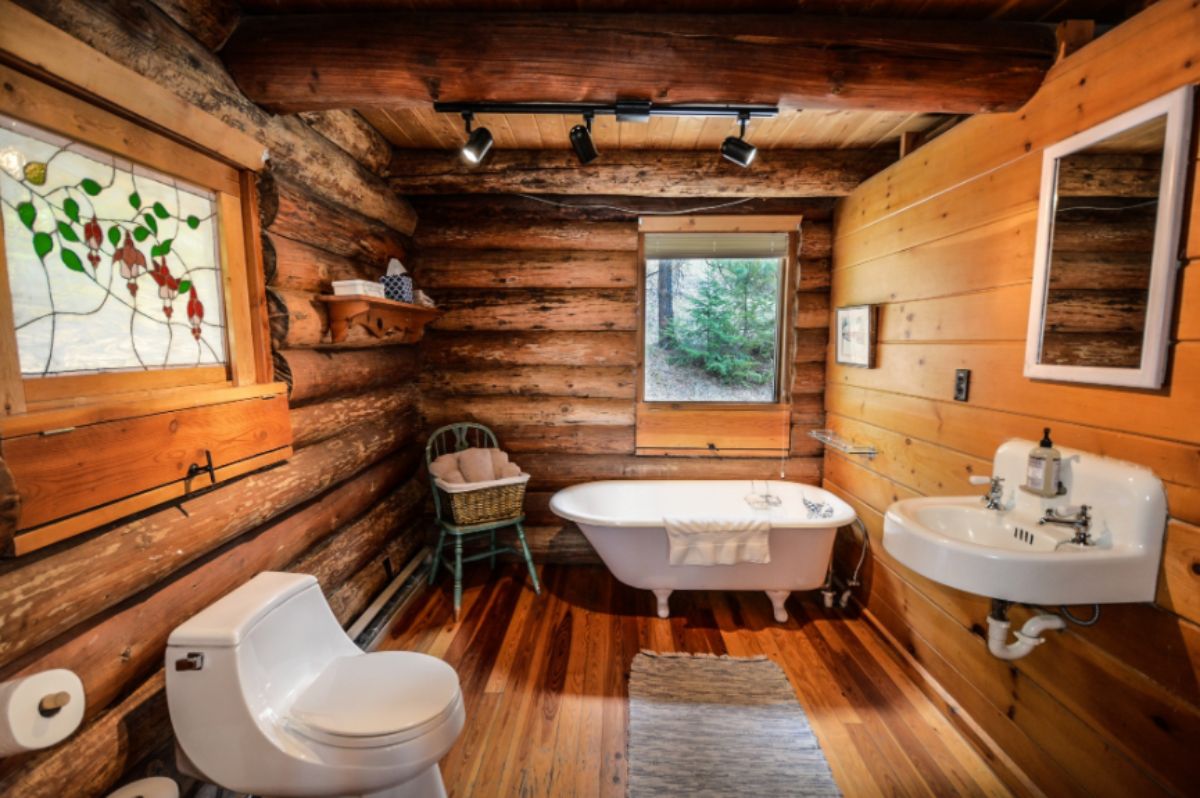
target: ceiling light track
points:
(479, 141)
(625, 111)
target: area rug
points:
(703, 725)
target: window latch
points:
(195, 470)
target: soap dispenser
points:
(1041, 475)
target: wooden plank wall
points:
(539, 342)
(346, 507)
(943, 240)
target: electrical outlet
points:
(962, 384)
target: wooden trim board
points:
(29, 39)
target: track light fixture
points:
(581, 141)
(736, 148)
(479, 141)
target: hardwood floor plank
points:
(545, 679)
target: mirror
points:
(1107, 253)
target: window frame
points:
(720, 429)
(237, 419)
(30, 403)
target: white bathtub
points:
(623, 520)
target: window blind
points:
(686, 246)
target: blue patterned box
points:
(398, 287)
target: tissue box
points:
(398, 287)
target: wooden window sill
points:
(710, 430)
(79, 467)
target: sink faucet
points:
(1080, 521)
(993, 499)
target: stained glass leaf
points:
(140, 233)
(72, 260)
(42, 244)
(159, 250)
(185, 286)
(71, 209)
(90, 186)
(151, 223)
(160, 211)
(114, 235)
(193, 222)
(27, 213)
(67, 232)
(135, 200)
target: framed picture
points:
(855, 330)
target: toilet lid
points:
(378, 694)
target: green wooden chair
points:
(455, 438)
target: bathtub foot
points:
(662, 596)
(778, 597)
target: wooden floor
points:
(545, 681)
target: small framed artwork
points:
(856, 336)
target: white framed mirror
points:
(1108, 248)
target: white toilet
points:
(269, 696)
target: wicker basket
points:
(483, 505)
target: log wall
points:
(346, 507)
(944, 242)
(539, 340)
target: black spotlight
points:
(736, 148)
(581, 141)
(479, 142)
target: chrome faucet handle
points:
(995, 493)
(1080, 521)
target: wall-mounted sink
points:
(1007, 554)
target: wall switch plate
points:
(962, 384)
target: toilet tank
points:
(271, 637)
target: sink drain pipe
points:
(829, 591)
(1028, 637)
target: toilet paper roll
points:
(40, 710)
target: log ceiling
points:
(1107, 11)
(299, 63)
(418, 127)
(422, 128)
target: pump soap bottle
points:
(1041, 475)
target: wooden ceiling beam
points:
(315, 62)
(637, 173)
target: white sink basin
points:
(1006, 554)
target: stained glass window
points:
(111, 266)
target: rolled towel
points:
(446, 468)
(718, 541)
(476, 464)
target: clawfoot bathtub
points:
(623, 520)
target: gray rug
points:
(719, 726)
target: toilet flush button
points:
(194, 661)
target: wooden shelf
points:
(383, 318)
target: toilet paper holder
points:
(52, 703)
(39, 710)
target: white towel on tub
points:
(718, 541)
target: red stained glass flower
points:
(168, 286)
(93, 237)
(195, 312)
(132, 263)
